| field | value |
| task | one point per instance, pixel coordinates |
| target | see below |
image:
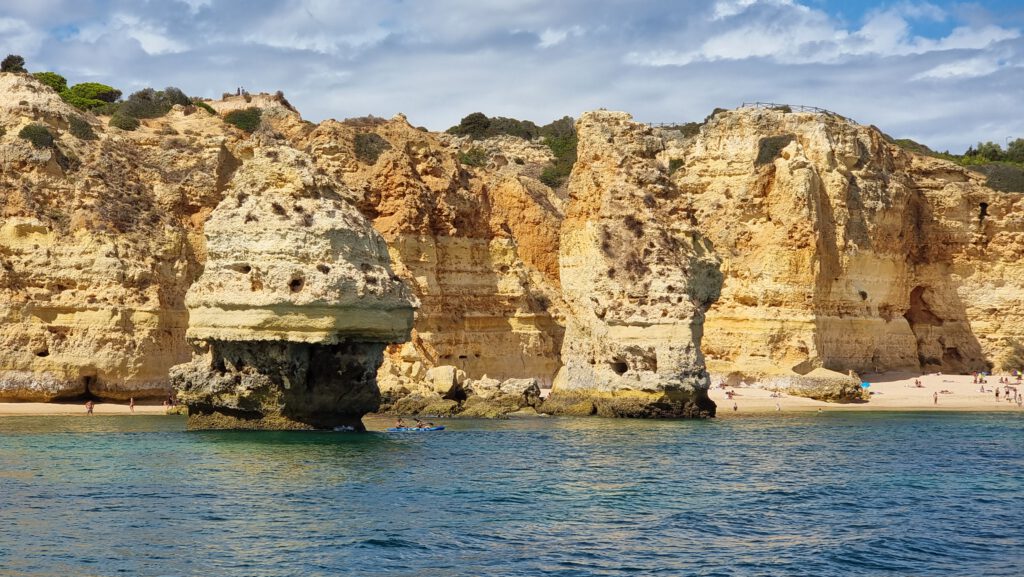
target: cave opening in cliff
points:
(982, 211)
(920, 312)
(618, 367)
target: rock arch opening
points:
(982, 211)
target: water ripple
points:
(824, 495)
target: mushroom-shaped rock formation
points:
(637, 277)
(291, 315)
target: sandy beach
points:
(889, 392)
(9, 409)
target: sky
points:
(945, 73)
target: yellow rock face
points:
(477, 245)
(96, 248)
(636, 280)
(842, 251)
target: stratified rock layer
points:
(294, 307)
(636, 280)
(842, 251)
(477, 245)
(97, 247)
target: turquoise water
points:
(831, 494)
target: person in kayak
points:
(421, 425)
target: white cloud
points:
(17, 37)
(438, 60)
(792, 33)
(553, 36)
(969, 68)
(152, 38)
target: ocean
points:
(829, 494)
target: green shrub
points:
(477, 125)
(89, 95)
(248, 119)
(107, 109)
(38, 135)
(53, 80)
(149, 103)
(81, 129)
(474, 125)
(564, 149)
(555, 174)
(369, 146)
(473, 157)
(124, 122)
(13, 63)
(674, 164)
(204, 106)
(1002, 176)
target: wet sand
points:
(889, 392)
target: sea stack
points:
(637, 277)
(295, 306)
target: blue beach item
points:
(415, 429)
(865, 385)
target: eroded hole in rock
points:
(619, 367)
(296, 284)
(242, 268)
(863, 295)
(323, 268)
(982, 211)
(920, 312)
(278, 209)
(43, 353)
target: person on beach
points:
(735, 407)
(400, 424)
(131, 404)
(88, 407)
(935, 396)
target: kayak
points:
(415, 429)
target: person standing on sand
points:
(734, 407)
(935, 397)
(88, 407)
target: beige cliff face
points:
(97, 248)
(636, 279)
(295, 305)
(478, 246)
(289, 260)
(840, 251)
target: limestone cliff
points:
(838, 251)
(294, 307)
(96, 248)
(843, 252)
(478, 246)
(637, 281)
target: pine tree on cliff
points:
(13, 63)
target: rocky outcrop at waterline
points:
(295, 305)
(636, 280)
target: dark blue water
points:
(834, 494)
